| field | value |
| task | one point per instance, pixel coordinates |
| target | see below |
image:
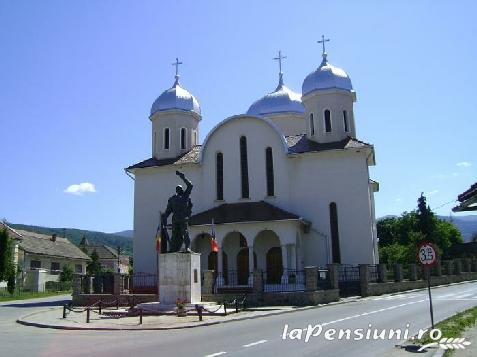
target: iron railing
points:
(290, 280)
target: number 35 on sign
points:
(427, 254)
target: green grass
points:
(24, 295)
(454, 326)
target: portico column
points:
(220, 278)
(284, 264)
(293, 264)
(250, 265)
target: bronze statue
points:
(180, 206)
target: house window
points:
(244, 167)
(166, 139)
(327, 116)
(219, 167)
(335, 239)
(78, 268)
(312, 124)
(35, 264)
(345, 121)
(183, 138)
(55, 268)
(269, 169)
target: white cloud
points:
(464, 164)
(398, 200)
(80, 188)
(432, 192)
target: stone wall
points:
(298, 298)
(393, 287)
(124, 300)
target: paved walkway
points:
(53, 318)
(470, 351)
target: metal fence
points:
(348, 280)
(290, 280)
(373, 273)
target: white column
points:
(220, 278)
(293, 264)
(250, 265)
(285, 264)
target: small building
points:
(41, 258)
(108, 256)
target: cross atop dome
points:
(176, 64)
(280, 74)
(322, 41)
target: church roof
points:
(242, 212)
(297, 144)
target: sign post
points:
(427, 257)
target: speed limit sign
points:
(427, 254)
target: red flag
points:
(214, 247)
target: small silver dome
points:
(282, 100)
(176, 97)
(326, 76)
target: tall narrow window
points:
(183, 138)
(335, 239)
(219, 175)
(154, 143)
(269, 168)
(327, 121)
(166, 139)
(244, 167)
(195, 137)
(312, 124)
(345, 121)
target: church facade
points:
(283, 186)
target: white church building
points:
(287, 183)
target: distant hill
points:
(75, 235)
(467, 225)
(127, 233)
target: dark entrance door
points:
(212, 261)
(242, 267)
(274, 265)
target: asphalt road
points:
(261, 337)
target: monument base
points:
(179, 278)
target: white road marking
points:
(254, 343)
(216, 354)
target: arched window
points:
(219, 175)
(244, 167)
(195, 137)
(183, 138)
(269, 169)
(345, 121)
(335, 237)
(312, 124)
(154, 143)
(327, 116)
(166, 139)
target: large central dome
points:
(282, 100)
(326, 76)
(176, 97)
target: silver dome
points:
(176, 97)
(326, 76)
(282, 100)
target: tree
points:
(94, 266)
(474, 237)
(7, 266)
(66, 274)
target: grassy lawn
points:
(23, 295)
(454, 326)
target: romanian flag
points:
(158, 238)
(214, 247)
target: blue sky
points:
(78, 79)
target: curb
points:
(23, 320)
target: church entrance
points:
(274, 265)
(212, 261)
(242, 267)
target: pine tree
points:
(426, 219)
(94, 266)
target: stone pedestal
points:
(311, 278)
(179, 278)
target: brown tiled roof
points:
(472, 191)
(42, 244)
(104, 251)
(297, 144)
(241, 212)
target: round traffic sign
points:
(427, 254)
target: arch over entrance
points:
(269, 255)
(236, 265)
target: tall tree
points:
(6, 255)
(94, 266)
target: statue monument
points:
(180, 206)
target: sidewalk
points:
(471, 350)
(52, 318)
